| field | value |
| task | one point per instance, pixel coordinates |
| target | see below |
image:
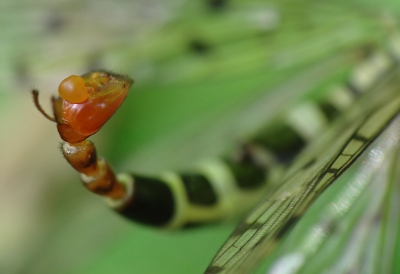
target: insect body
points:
(170, 199)
(174, 200)
(84, 105)
(220, 186)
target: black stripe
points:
(152, 202)
(282, 140)
(330, 111)
(360, 138)
(213, 269)
(199, 189)
(332, 170)
(347, 155)
(287, 226)
(248, 172)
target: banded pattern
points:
(311, 174)
(220, 188)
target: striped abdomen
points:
(231, 184)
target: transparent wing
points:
(353, 227)
(311, 174)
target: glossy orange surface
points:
(73, 89)
(106, 92)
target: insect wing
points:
(310, 175)
(351, 228)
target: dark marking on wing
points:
(332, 170)
(214, 270)
(287, 226)
(309, 163)
(360, 138)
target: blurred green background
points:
(207, 73)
